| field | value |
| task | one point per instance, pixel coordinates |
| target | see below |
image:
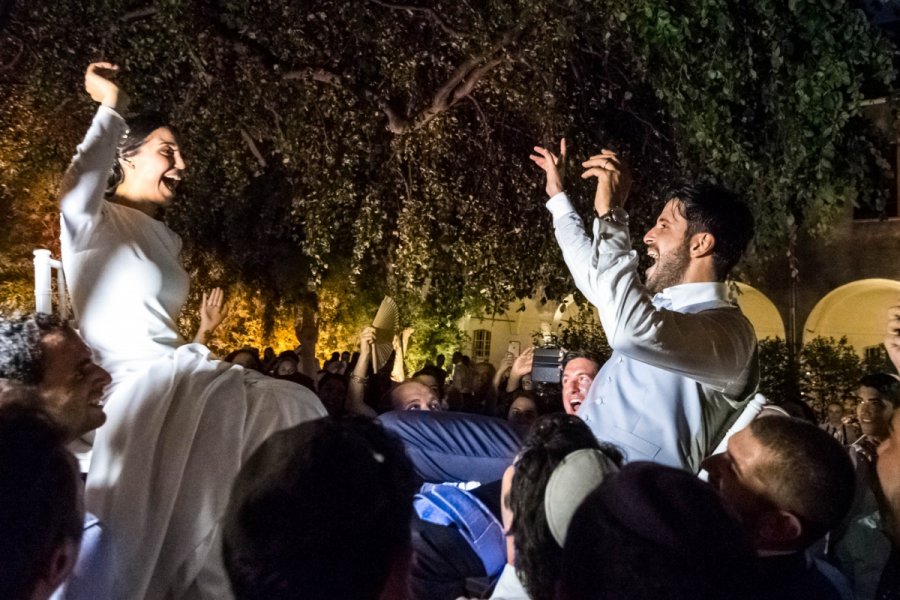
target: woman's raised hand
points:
(101, 88)
(213, 311)
(366, 339)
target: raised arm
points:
(356, 389)
(613, 185)
(712, 347)
(85, 180)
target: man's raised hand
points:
(552, 165)
(613, 180)
(892, 337)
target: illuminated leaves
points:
(329, 142)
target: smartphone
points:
(514, 348)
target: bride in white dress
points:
(180, 424)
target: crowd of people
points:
(657, 472)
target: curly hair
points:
(551, 439)
(20, 345)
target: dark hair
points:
(439, 375)
(20, 345)
(320, 511)
(39, 506)
(650, 532)
(139, 128)
(284, 357)
(887, 385)
(257, 364)
(798, 409)
(324, 380)
(807, 472)
(538, 556)
(712, 208)
(571, 355)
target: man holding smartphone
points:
(684, 357)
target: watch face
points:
(618, 215)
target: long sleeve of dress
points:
(85, 180)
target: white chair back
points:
(43, 287)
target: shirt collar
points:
(680, 296)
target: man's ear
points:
(60, 565)
(780, 528)
(702, 244)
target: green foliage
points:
(765, 97)
(579, 332)
(778, 377)
(829, 372)
(330, 140)
(876, 360)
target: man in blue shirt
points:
(684, 357)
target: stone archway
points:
(857, 310)
(761, 311)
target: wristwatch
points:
(616, 215)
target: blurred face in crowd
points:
(526, 383)
(873, 412)
(888, 465)
(413, 395)
(245, 359)
(72, 383)
(333, 394)
(576, 381)
(835, 414)
(523, 411)
(667, 245)
(482, 375)
(286, 367)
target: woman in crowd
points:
(179, 423)
(245, 357)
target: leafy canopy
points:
(370, 147)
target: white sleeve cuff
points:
(111, 111)
(559, 205)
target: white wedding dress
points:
(180, 424)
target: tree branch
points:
(397, 123)
(484, 121)
(428, 12)
(138, 14)
(253, 148)
(458, 87)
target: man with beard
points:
(685, 359)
